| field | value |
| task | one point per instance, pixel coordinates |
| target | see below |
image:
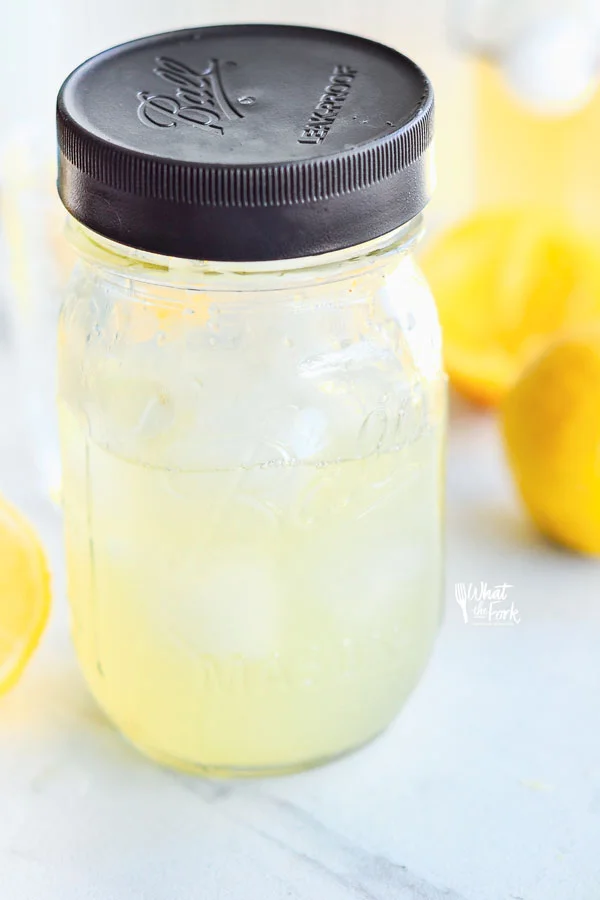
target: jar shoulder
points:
(183, 378)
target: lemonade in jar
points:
(252, 404)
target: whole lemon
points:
(551, 429)
(24, 593)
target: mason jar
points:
(252, 404)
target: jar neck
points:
(119, 261)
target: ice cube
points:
(347, 359)
(308, 432)
(227, 604)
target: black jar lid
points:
(245, 142)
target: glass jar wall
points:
(252, 495)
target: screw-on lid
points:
(245, 142)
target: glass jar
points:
(252, 478)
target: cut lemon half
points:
(505, 282)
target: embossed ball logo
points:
(199, 99)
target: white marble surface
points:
(486, 788)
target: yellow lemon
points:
(505, 282)
(551, 430)
(24, 593)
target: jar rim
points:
(122, 261)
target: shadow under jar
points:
(252, 446)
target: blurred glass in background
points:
(38, 261)
(535, 68)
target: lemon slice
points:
(24, 593)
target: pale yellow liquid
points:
(526, 159)
(256, 619)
